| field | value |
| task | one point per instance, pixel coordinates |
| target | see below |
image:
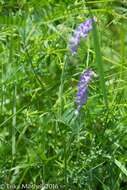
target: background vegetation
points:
(40, 137)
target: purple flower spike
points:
(81, 32)
(82, 94)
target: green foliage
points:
(41, 139)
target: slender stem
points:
(99, 64)
(14, 121)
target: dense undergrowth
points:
(41, 139)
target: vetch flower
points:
(82, 94)
(81, 32)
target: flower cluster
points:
(82, 31)
(82, 93)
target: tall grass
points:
(41, 139)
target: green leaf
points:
(121, 167)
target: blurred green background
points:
(41, 139)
